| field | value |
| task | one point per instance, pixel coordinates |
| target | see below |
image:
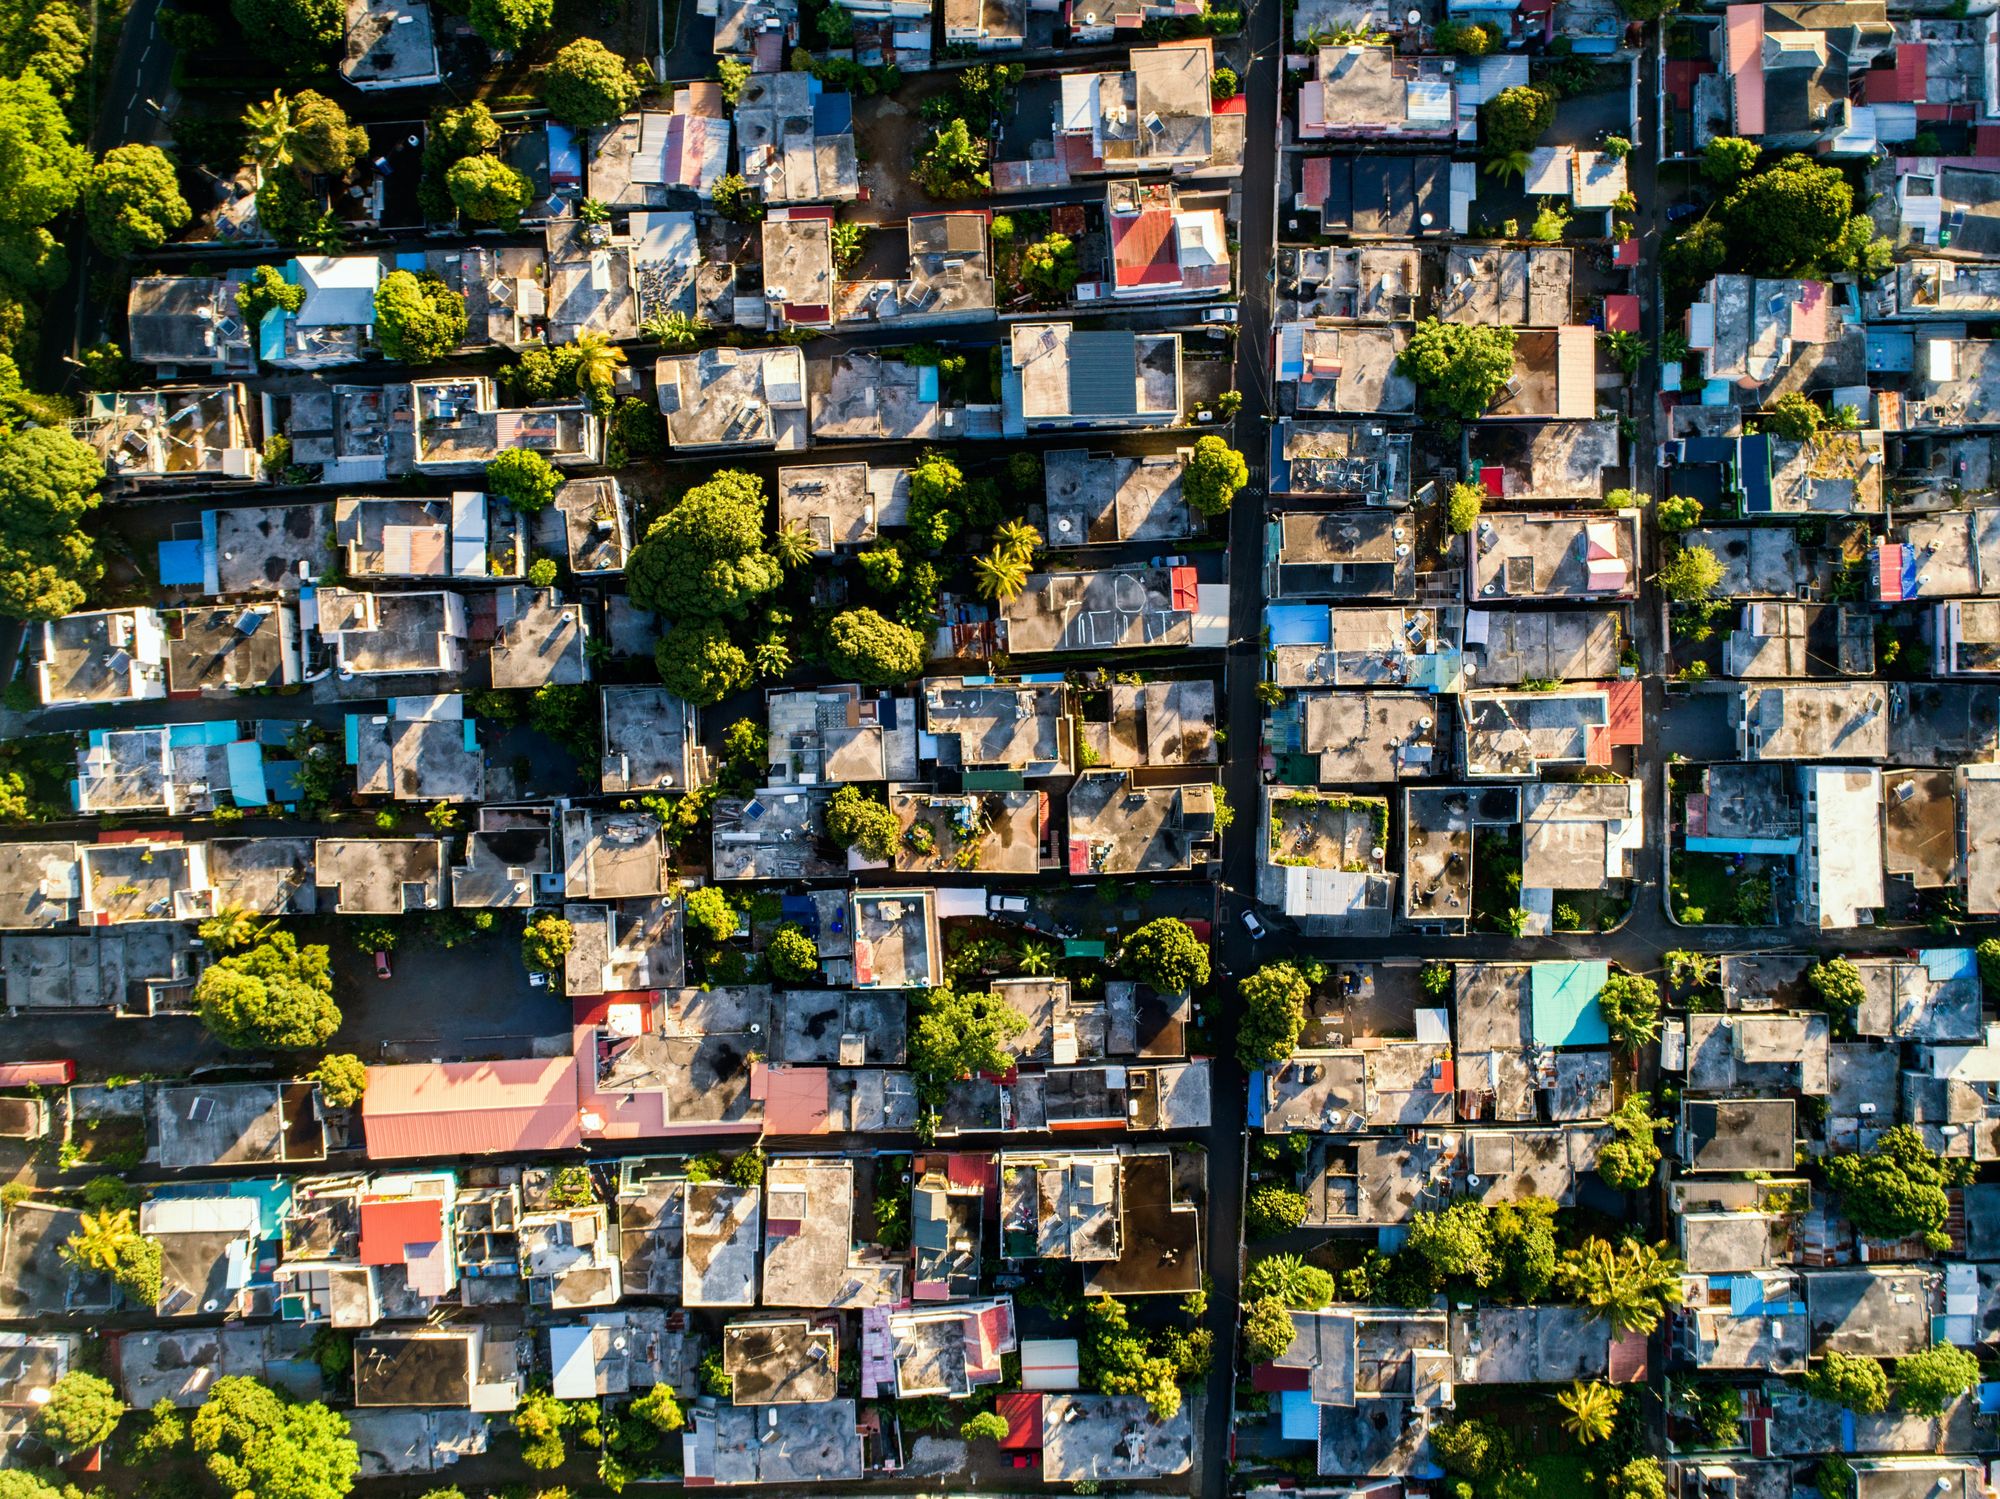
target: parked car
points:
(1219, 315)
(1013, 905)
(381, 963)
(1253, 926)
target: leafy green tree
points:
(1896, 1190)
(1457, 1241)
(1115, 1359)
(132, 200)
(856, 820)
(1631, 1006)
(488, 191)
(1988, 953)
(1628, 1159)
(523, 478)
(705, 558)
(987, 1426)
(538, 1421)
(700, 664)
(1273, 1210)
(505, 24)
(588, 85)
(41, 171)
(734, 75)
(1524, 1246)
(1290, 1281)
(660, 1408)
(1695, 255)
(342, 1079)
(597, 363)
(1267, 1330)
(1836, 984)
(1463, 506)
(165, 1435)
(546, 944)
(542, 573)
(81, 1413)
(953, 164)
(793, 956)
(1787, 217)
(937, 488)
(735, 199)
(863, 645)
(49, 37)
(1727, 159)
(1274, 1013)
(1928, 1382)
(1214, 472)
(709, 915)
(1854, 1382)
(326, 140)
(1516, 118)
(1678, 514)
(254, 1440)
(1590, 1411)
(1459, 368)
(956, 1036)
(1632, 1285)
(296, 33)
(1049, 268)
(108, 1242)
(277, 996)
(1166, 954)
(266, 290)
(1795, 417)
(1641, 1478)
(418, 318)
(48, 483)
(1691, 575)
(1471, 1448)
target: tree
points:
(418, 318)
(1896, 1190)
(1854, 1382)
(325, 140)
(1471, 1448)
(700, 664)
(1462, 508)
(1695, 255)
(1524, 1246)
(856, 820)
(1589, 1410)
(675, 329)
(1678, 514)
(588, 85)
(1116, 1360)
(546, 943)
(660, 1408)
(1928, 1382)
(705, 559)
(523, 478)
(984, 1426)
(734, 75)
(293, 32)
(1691, 575)
(792, 545)
(1628, 1159)
(266, 290)
(1788, 217)
(342, 1079)
(793, 956)
(108, 1242)
(1795, 417)
(1728, 159)
(953, 164)
(256, 1441)
(1516, 118)
(505, 24)
(81, 1413)
(132, 199)
(1837, 984)
(1641, 1478)
(1988, 953)
(957, 1036)
(1273, 1210)
(1632, 1286)
(936, 487)
(1267, 1330)
(1274, 1013)
(41, 171)
(276, 996)
(165, 1434)
(1630, 1003)
(1289, 1280)
(48, 483)
(1049, 268)
(1000, 574)
(1166, 954)
(597, 363)
(488, 191)
(709, 915)
(1214, 472)
(1459, 368)
(873, 650)
(735, 199)
(1016, 537)
(539, 1420)
(1457, 1241)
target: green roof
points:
(1563, 1007)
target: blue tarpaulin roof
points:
(1299, 624)
(246, 774)
(1298, 1417)
(1563, 1008)
(180, 564)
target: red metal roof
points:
(1144, 251)
(1905, 83)
(1187, 592)
(1235, 104)
(1316, 179)
(1621, 313)
(1627, 252)
(471, 1108)
(1022, 1411)
(1626, 702)
(1271, 1378)
(1493, 479)
(388, 1228)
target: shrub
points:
(523, 478)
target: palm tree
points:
(1631, 1286)
(1036, 959)
(999, 575)
(1287, 1277)
(848, 240)
(677, 330)
(597, 361)
(792, 546)
(102, 1240)
(1018, 539)
(1508, 166)
(230, 928)
(1589, 1411)
(772, 658)
(273, 137)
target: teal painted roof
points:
(1563, 1008)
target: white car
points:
(1219, 315)
(1252, 925)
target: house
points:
(1323, 861)
(1359, 738)
(777, 833)
(1342, 554)
(1095, 1438)
(1512, 647)
(335, 323)
(538, 641)
(1340, 461)
(1773, 639)
(840, 734)
(950, 278)
(1105, 498)
(188, 435)
(40, 884)
(809, 1258)
(650, 742)
(1955, 384)
(798, 268)
(1056, 377)
(617, 947)
(1840, 863)
(1812, 721)
(996, 832)
(1737, 1134)
(189, 325)
(1155, 116)
(785, 1445)
(509, 860)
(459, 426)
(471, 536)
(948, 1349)
(390, 44)
(1349, 370)
(109, 656)
(143, 881)
(780, 1361)
(862, 397)
(1117, 825)
(443, 1367)
(842, 505)
(439, 1109)
(146, 970)
(999, 732)
(1761, 338)
(1383, 195)
(386, 634)
(1103, 610)
(645, 158)
(1365, 92)
(1495, 286)
(1388, 646)
(896, 943)
(231, 649)
(1555, 375)
(1554, 556)
(568, 1257)
(734, 398)
(1755, 1055)
(422, 749)
(1950, 554)
(1529, 462)
(1509, 733)
(179, 770)
(1580, 835)
(1166, 243)
(795, 140)
(1155, 724)
(208, 1239)
(611, 855)
(596, 520)
(1788, 70)
(380, 876)
(674, 1062)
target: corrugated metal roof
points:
(1103, 373)
(471, 1108)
